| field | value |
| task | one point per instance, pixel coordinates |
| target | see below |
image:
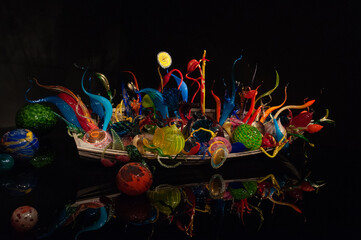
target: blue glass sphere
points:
(20, 143)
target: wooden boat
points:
(90, 152)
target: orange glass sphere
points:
(134, 179)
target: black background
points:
(314, 45)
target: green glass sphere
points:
(248, 135)
(35, 117)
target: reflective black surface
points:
(70, 180)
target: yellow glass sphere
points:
(170, 139)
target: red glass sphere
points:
(134, 179)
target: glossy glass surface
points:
(79, 197)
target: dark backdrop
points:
(314, 45)
(307, 42)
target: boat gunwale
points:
(86, 150)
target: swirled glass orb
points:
(216, 144)
(134, 179)
(98, 138)
(20, 143)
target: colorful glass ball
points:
(248, 135)
(36, 117)
(218, 141)
(20, 143)
(170, 139)
(134, 179)
(98, 138)
(24, 218)
(6, 162)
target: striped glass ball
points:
(20, 143)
